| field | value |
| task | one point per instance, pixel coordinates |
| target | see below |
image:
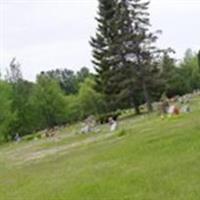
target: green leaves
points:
(6, 115)
(49, 102)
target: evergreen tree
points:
(124, 79)
(82, 74)
(133, 53)
(101, 43)
(144, 52)
(124, 53)
(66, 78)
(69, 80)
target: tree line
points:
(129, 71)
(56, 98)
(63, 96)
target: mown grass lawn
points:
(153, 159)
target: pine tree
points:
(124, 53)
(142, 46)
(125, 80)
(138, 47)
(102, 56)
(135, 64)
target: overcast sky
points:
(48, 34)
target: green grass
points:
(147, 159)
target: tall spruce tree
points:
(124, 53)
(144, 51)
(102, 56)
(124, 77)
(135, 54)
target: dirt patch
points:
(38, 155)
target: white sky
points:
(48, 34)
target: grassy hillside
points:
(147, 159)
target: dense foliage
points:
(27, 107)
(124, 54)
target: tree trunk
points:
(137, 110)
(147, 97)
(135, 105)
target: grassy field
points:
(147, 159)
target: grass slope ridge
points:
(148, 159)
